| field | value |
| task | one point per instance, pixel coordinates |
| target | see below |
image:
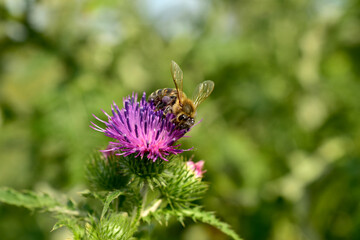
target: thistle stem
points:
(117, 204)
(141, 205)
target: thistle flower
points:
(109, 150)
(139, 129)
(196, 168)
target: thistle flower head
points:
(139, 129)
(196, 168)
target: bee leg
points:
(168, 109)
(160, 105)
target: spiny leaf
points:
(27, 199)
(208, 217)
(197, 215)
(32, 200)
(98, 195)
(73, 224)
(110, 197)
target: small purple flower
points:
(196, 167)
(138, 128)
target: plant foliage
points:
(134, 200)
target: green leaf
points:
(74, 225)
(197, 215)
(208, 217)
(110, 197)
(32, 200)
(98, 195)
(27, 199)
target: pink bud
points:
(196, 167)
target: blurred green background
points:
(280, 133)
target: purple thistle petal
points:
(139, 129)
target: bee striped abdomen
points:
(163, 98)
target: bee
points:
(174, 100)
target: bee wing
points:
(177, 76)
(203, 91)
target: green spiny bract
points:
(182, 186)
(143, 168)
(116, 226)
(106, 173)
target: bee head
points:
(185, 113)
(186, 117)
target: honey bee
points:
(174, 100)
